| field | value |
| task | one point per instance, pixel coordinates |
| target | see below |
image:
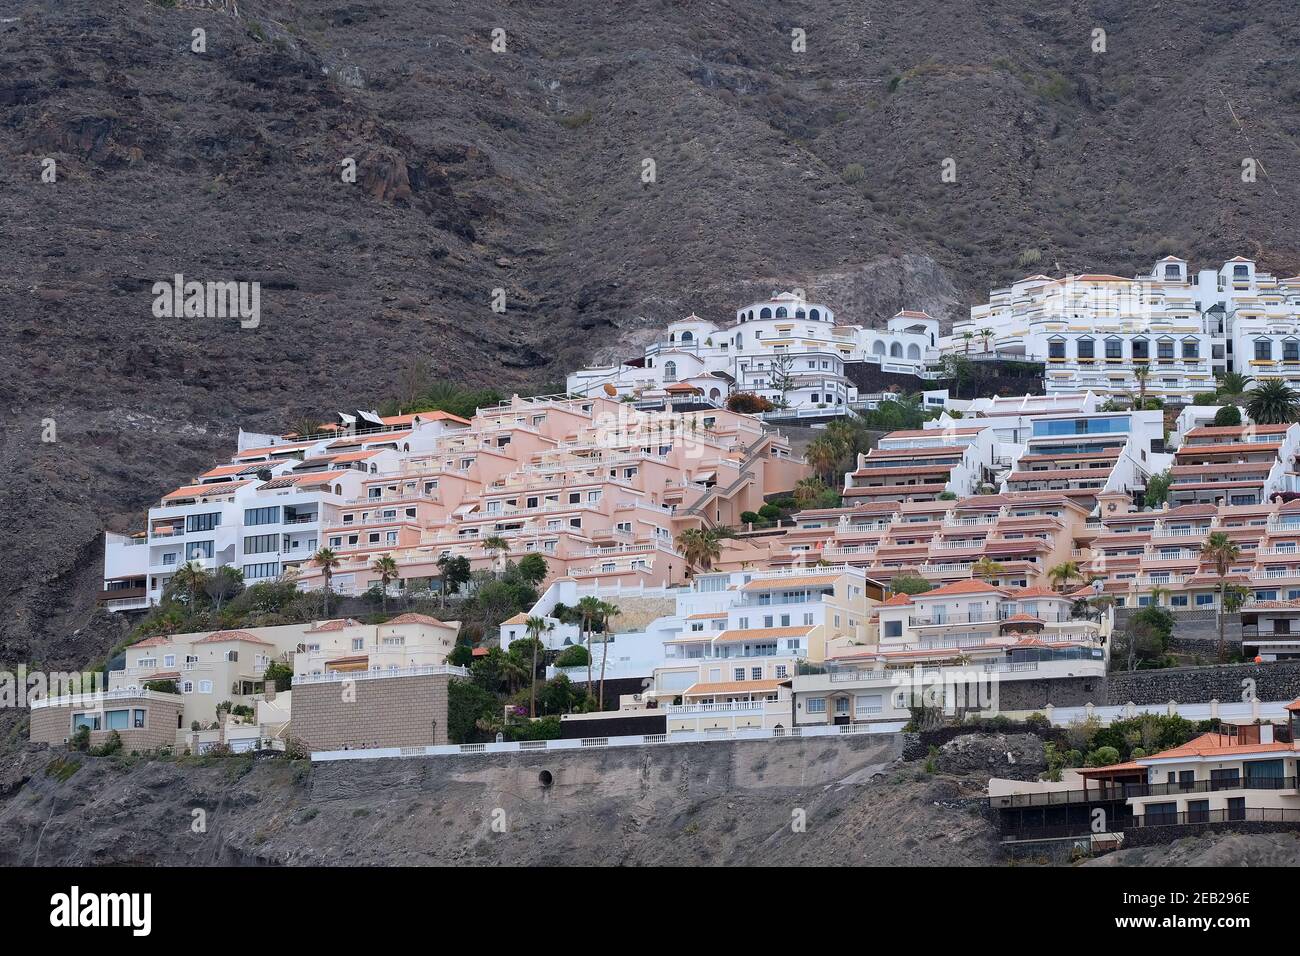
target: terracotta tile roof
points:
(733, 687)
(309, 478)
(1035, 591)
(221, 637)
(1091, 474)
(198, 491)
(273, 449)
(412, 618)
(760, 633)
(1215, 745)
(337, 624)
(710, 616)
(898, 600)
(435, 416)
(222, 470)
(1206, 431)
(161, 675)
(1023, 618)
(156, 641)
(963, 587)
(935, 432)
(519, 618)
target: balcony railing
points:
(1129, 790)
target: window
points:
(1141, 349)
(1205, 600)
(265, 515)
(1263, 350)
(781, 671)
(1291, 351)
(205, 687)
(261, 543)
(1191, 349)
(204, 522)
(1086, 348)
(117, 719)
(90, 720)
(1165, 350)
(1056, 349)
(738, 673)
(137, 719)
(358, 643)
(268, 569)
(893, 629)
(1114, 349)
(816, 705)
(197, 550)
(756, 673)
(867, 704)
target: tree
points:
(222, 584)
(453, 571)
(610, 611)
(589, 611)
(1063, 573)
(823, 454)
(1157, 492)
(966, 338)
(574, 655)
(532, 568)
(191, 579)
(1233, 385)
(535, 626)
(959, 368)
(1228, 416)
(468, 704)
(781, 379)
(1222, 552)
(1141, 372)
(699, 548)
(747, 403)
(986, 334)
(1273, 402)
(328, 562)
(495, 546)
(909, 584)
(386, 568)
(987, 569)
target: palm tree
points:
(1063, 573)
(610, 612)
(967, 336)
(1273, 402)
(191, 577)
(699, 547)
(1232, 384)
(1222, 552)
(823, 454)
(808, 490)
(496, 545)
(589, 611)
(1141, 373)
(512, 671)
(327, 561)
(987, 569)
(535, 626)
(986, 334)
(386, 568)
(1158, 592)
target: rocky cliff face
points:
(522, 171)
(794, 802)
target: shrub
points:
(770, 512)
(1037, 722)
(162, 686)
(575, 656)
(747, 403)
(1103, 757)
(1227, 416)
(1029, 257)
(751, 517)
(110, 746)
(853, 173)
(80, 739)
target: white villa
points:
(1093, 330)
(785, 349)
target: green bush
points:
(750, 517)
(854, 173)
(575, 656)
(1227, 416)
(1103, 757)
(770, 512)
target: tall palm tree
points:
(967, 337)
(495, 546)
(328, 562)
(1141, 372)
(589, 611)
(1273, 402)
(191, 578)
(1222, 552)
(535, 626)
(1063, 573)
(699, 547)
(808, 490)
(386, 568)
(987, 569)
(986, 334)
(1158, 592)
(823, 454)
(610, 612)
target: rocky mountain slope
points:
(522, 171)
(796, 802)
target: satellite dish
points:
(610, 390)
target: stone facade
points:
(403, 711)
(1276, 681)
(1060, 692)
(53, 725)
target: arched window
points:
(765, 313)
(780, 312)
(815, 315)
(878, 347)
(799, 313)
(670, 371)
(896, 350)
(914, 351)
(740, 341)
(687, 336)
(714, 394)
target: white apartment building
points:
(1093, 330)
(263, 512)
(785, 349)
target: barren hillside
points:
(522, 170)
